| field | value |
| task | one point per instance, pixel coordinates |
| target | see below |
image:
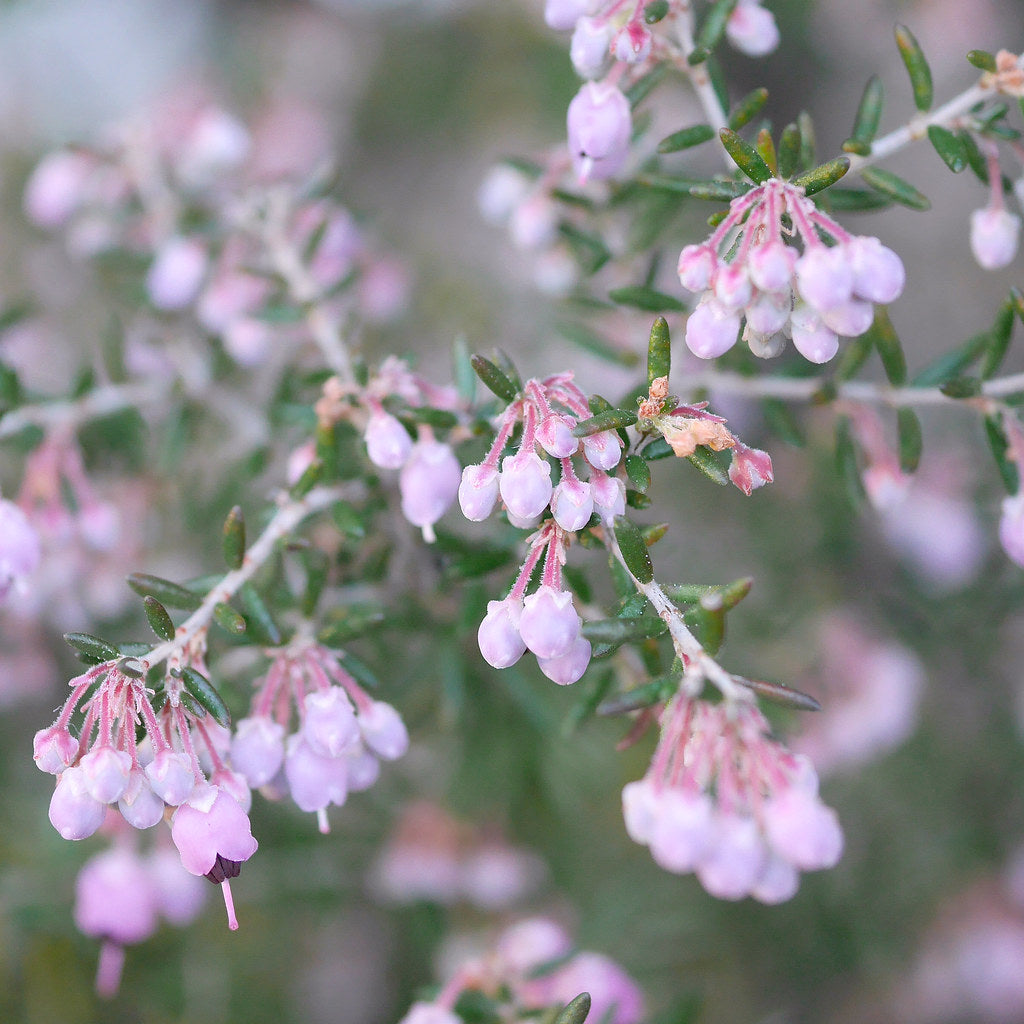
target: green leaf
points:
(494, 378)
(647, 299)
(159, 621)
(311, 476)
(746, 158)
(776, 693)
(656, 11)
(234, 538)
(789, 151)
(639, 472)
(686, 138)
(869, 112)
(975, 160)
(634, 549)
(708, 463)
(999, 443)
(713, 26)
(206, 695)
(171, 595)
(982, 60)
(350, 622)
(949, 147)
(917, 67)
(883, 334)
(856, 199)
(659, 448)
(846, 461)
(1001, 334)
(228, 619)
(808, 140)
(92, 647)
(260, 623)
(854, 356)
(961, 387)
(610, 419)
(621, 631)
(748, 108)
(766, 151)
(730, 594)
(575, 1011)
(589, 250)
(910, 439)
(348, 520)
(659, 351)
(824, 176)
(655, 691)
(719, 191)
(706, 620)
(952, 364)
(895, 188)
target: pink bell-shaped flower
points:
(428, 484)
(54, 749)
(569, 667)
(177, 272)
(74, 812)
(139, 805)
(388, 443)
(383, 730)
(478, 492)
(329, 725)
(19, 548)
(172, 776)
(257, 748)
(734, 857)
(525, 484)
(105, 773)
(711, 330)
(599, 126)
(498, 635)
(549, 624)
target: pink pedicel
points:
(726, 802)
(750, 275)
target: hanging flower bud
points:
(388, 443)
(599, 126)
(478, 492)
(498, 635)
(176, 273)
(549, 624)
(752, 29)
(994, 234)
(428, 483)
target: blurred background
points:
(905, 623)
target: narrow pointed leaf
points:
(659, 351)
(999, 444)
(159, 621)
(846, 461)
(1001, 333)
(730, 594)
(824, 176)
(869, 112)
(949, 147)
(883, 334)
(785, 696)
(611, 419)
(228, 619)
(655, 691)
(857, 199)
(748, 108)
(574, 1012)
(493, 378)
(311, 476)
(646, 84)
(647, 299)
(718, 191)
(621, 631)
(917, 67)
(854, 356)
(746, 158)
(706, 619)
(92, 647)
(766, 151)
(708, 463)
(171, 595)
(206, 695)
(789, 151)
(234, 538)
(982, 60)
(634, 549)
(808, 140)
(261, 623)
(653, 533)
(895, 188)
(713, 26)
(639, 473)
(910, 439)
(659, 448)
(686, 138)
(952, 364)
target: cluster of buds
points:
(159, 776)
(725, 801)
(140, 193)
(544, 622)
(994, 229)
(429, 471)
(613, 39)
(746, 273)
(120, 897)
(341, 731)
(531, 967)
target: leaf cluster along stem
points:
(287, 517)
(917, 127)
(686, 645)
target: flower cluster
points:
(140, 193)
(340, 737)
(160, 776)
(531, 967)
(725, 801)
(120, 896)
(545, 622)
(429, 471)
(747, 274)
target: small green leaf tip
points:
(234, 538)
(634, 549)
(745, 157)
(659, 351)
(575, 1012)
